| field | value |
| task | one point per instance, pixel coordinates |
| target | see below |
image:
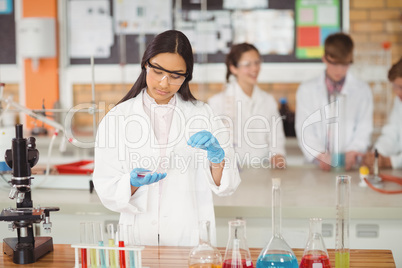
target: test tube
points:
(83, 241)
(111, 243)
(98, 237)
(342, 251)
(92, 252)
(122, 255)
(130, 242)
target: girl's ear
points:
(233, 69)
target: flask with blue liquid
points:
(277, 254)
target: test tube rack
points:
(110, 255)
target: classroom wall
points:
(371, 23)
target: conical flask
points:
(315, 254)
(277, 254)
(204, 255)
(237, 254)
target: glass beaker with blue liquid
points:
(277, 254)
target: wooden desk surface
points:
(176, 257)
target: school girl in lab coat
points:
(389, 144)
(313, 103)
(159, 126)
(253, 114)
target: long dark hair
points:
(171, 41)
(235, 54)
(395, 71)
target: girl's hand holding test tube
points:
(140, 177)
(206, 141)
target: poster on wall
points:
(208, 31)
(315, 20)
(90, 29)
(6, 6)
(241, 4)
(270, 30)
(142, 17)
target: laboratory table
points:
(176, 257)
(307, 192)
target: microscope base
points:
(25, 253)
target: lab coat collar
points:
(346, 85)
(177, 124)
(163, 109)
(235, 90)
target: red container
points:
(80, 167)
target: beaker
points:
(277, 253)
(237, 254)
(315, 252)
(204, 255)
(342, 222)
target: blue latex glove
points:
(206, 141)
(137, 181)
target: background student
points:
(314, 98)
(258, 134)
(389, 144)
(150, 129)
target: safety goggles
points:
(159, 73)
(249, 64)
(342, 64)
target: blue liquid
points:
(102, 255)
(338, 160)
(132, 259)
(277, 261)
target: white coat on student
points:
(257, 125)
(168, 212)
(390, 142)
(312, 117)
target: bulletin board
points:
(308, 23)
(7, 33)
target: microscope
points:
(26, 248)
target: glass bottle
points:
(342, 253)
(204, 255)
(315, 254)
(237, 254)
(277, 254)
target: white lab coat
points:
(255, 119)
(390, 141)
(173, 207)
(312, 116)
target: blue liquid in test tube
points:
(102, 255)
(132, 259)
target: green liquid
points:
(342, 259)
(93, 258)
(112, 254)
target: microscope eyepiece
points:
(18, 131)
